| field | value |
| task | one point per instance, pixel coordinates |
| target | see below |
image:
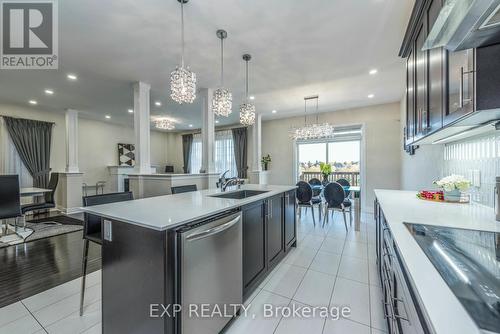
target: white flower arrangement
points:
(453, 182)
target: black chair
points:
(345, 183)
(50, 202)
(314, 182)
(183, 189)
(306, 199)
(10, 202)
(169, 169)
(92, 229)
(335, 200)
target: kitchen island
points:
(172, 251)
(416, 297)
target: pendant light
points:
(247, 110)
(164, 124)
(222, 101)
(314, 130)
(182, 80)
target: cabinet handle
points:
(461, 90)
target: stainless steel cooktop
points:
(469, 262)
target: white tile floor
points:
(329, 268)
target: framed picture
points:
(126, 154)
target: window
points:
(224, 153)
(343, 153)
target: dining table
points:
(354, 195)
(33, 192)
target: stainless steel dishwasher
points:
(211, 273)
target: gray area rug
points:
(40, 231)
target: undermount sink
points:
(240, 194)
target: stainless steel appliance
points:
(496, 198)
(211, 273)
(469, 262)
(465, 24)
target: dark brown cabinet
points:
(290, 217)
(269, 230)
(460, 85)
(440, 85)
(435, 60)
(421, 108)
(275, 229)
(402, 310)
(254, 241)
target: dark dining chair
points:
(92, 229)
(169, 169)
(49, 202)
(344, 183)
(183, 189)
(314, 182)
(335, 200)
(305, 199)
(10, 202)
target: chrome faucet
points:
(224, 182)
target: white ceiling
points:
(299, 48)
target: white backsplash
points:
(478, 159)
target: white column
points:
(142, 128)
(207, 132)
(257, 143)
(72, 141)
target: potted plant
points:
(326, 170)
(453, 186)
(265, 161)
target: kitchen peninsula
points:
(199, 247)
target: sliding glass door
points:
(343, 155)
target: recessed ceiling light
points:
(158, 103)
(131, 111)
(71, 76)
(373, 71)
(371, 96)
(252, 97)
(217, 121)
(33, 102)
(274, 111)
(107, 117)
(190, 125)
(49, 92)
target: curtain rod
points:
(27, 119)
(222, 128)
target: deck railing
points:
(352, 177)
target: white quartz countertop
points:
(163, 212)
(440, 305)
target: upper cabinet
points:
(443, 88)
(460, 79)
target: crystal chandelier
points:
(222, 101)
(314, 130)
(182, 80)
(164, 124)
(247, 110)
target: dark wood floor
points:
(36, 266)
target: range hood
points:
(465, 24)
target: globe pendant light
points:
(222, 101)
(247, 110)
(182, 80)
(314, 130)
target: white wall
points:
(418, 171)
(97, 142)
(382, 146)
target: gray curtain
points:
(240, 151)
(187, 144)
(32, 140)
